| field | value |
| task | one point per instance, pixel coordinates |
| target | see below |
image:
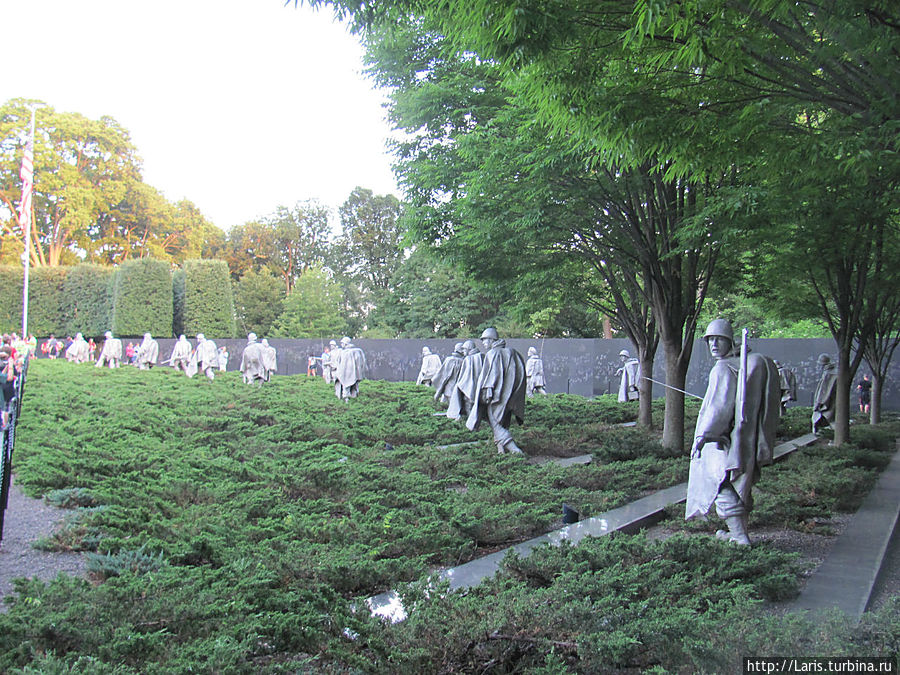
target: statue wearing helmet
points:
(824, 401)
(500, 391)
(350, 370)
(181, 354)
(204, 358)
(111, 352)
(735, 433)
(444, 380)
(431, 364)
(534, 373)
(252, 367)
(148, 352)
(630, 380)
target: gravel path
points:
(26, 521)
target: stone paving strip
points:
(625, 518)
(846, 578)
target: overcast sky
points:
(237, 105)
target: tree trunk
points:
(676, 373)
(842, 399)
(645, 388)
(607, 328)
(875, 405)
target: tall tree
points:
(430, 298)
(258, 298)
(312, 310)
(301, 236)
(90, 201)
(522, 200)
(702, 85)
(371, 241)
(287, 242)
(83, 168)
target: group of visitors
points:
(13, 352)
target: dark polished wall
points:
(584, 367)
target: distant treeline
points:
(140, 296)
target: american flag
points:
(27, 176)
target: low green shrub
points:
(69, 498)
(104, 566)
(238, 528)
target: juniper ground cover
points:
(234, 528)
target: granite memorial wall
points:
(586, 367)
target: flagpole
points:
(27, 175)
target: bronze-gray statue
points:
(270, 358)
(351, 370)
(252, 368)
(501, 391)
(111, 351)
(204, 358)
(147, 352)
(465, 391)
(788, 385)
(328, 365)
(445, 379)
(181, 354)
(735, 433)
(77, 352)
(630, 377)
(534, 374)
(431, 364)
(824, 402)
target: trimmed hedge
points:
(140, 296)
(88, 298)
(178, 302)
(208, 299)
(142, 301)
(11, 280)
(47, 307)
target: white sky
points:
(237, 105)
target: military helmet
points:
(823, 359)
(490, 332)
(532, 351)
(624, 353)
(251, 337)
(720, 328)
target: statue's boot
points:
(511, 447)
(737, 531)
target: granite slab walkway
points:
(625, 518)
(847, 577)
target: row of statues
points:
(205, 357)
(436, 373)
(485, 387)
(343, 365)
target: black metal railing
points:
(7, 442)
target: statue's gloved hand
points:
(698, 445)
(487, 394)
